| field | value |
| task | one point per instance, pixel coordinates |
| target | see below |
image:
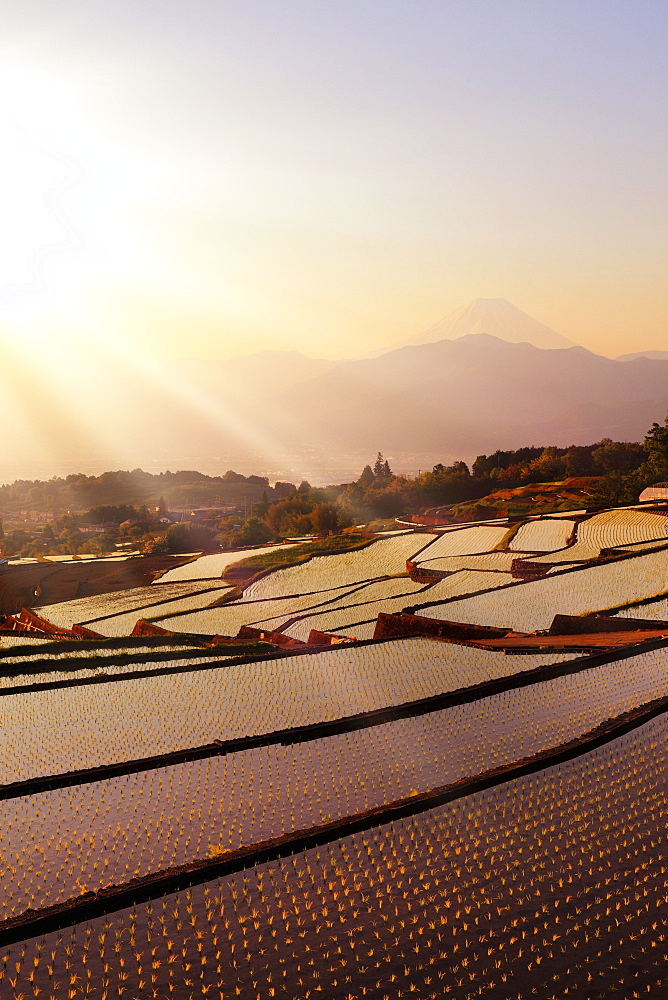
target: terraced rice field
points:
(528, 606)
(11, 639)
(361, 630)
(384, 557)
(497, 561)
(542, 535)
(90, 609)
(48, 651)
(69, 670)
(343, 619)
(229, 617)
(656, 611)
(464, 541)
(658, 543)
(435, 838)
(610, 529)
(134, 718)
(212, 566)
(123, 624)
(533, 887)
(386, 595)
(467, 581)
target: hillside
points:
(529, 500)
(477, 393)
(289, 417)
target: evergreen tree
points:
(378, 466)
(656, 446)
(366, 479)
(387, 471)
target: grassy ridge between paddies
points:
(241, 573)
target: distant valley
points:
(286, 415)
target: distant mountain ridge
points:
(282, 414)
(653, 355)
(479, 393)
(496, 317)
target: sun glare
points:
(68, 187)
(29, 176)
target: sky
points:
(212, 178)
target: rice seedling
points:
(84, 837)
(532, 888)
(210, 566)
(139, 717)
(87, 609)
(464, 541)
(542, 535)
(609, 529)
(532, 605)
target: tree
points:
(187, 538)
(253, 532)
(618, 456)
(262, 506)
(102, 543)
(366, 479)
(324, 518)
(378, 466)
(352, 501)
(614, 489)
(460, 469)
(548, 467)
(656, 446)
(290, 516)
(387, 471)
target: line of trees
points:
(616, 472)
(134, 488)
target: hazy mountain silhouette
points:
(282, 412)
(654, 355)
(478, 393)
(496, 317)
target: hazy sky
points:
(212, 178)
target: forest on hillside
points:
(605, 473)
